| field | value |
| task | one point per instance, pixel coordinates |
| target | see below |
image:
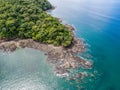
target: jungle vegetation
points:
(25, 19)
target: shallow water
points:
(27, 69)
(98, 23)
(24, 69)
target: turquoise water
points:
(24, 69)
(27, 69)
(98, 23)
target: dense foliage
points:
(28, 19)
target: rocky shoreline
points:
(62, 58)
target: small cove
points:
(27, 68)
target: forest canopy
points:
(27, 19)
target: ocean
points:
(97, 23)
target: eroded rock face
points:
(60, 57)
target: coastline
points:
(62, 58)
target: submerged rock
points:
(79, 75)
(61, 57)
(92, 75)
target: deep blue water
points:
(98, 23)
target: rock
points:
(64, 58)
(70, 27)
(92, 75)
(62, 72)
(88, 64)
(66, 65)
(45, 54)
(12, 47)
(79, 75)
(9, 46)
(84, 74)
(73, 65)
